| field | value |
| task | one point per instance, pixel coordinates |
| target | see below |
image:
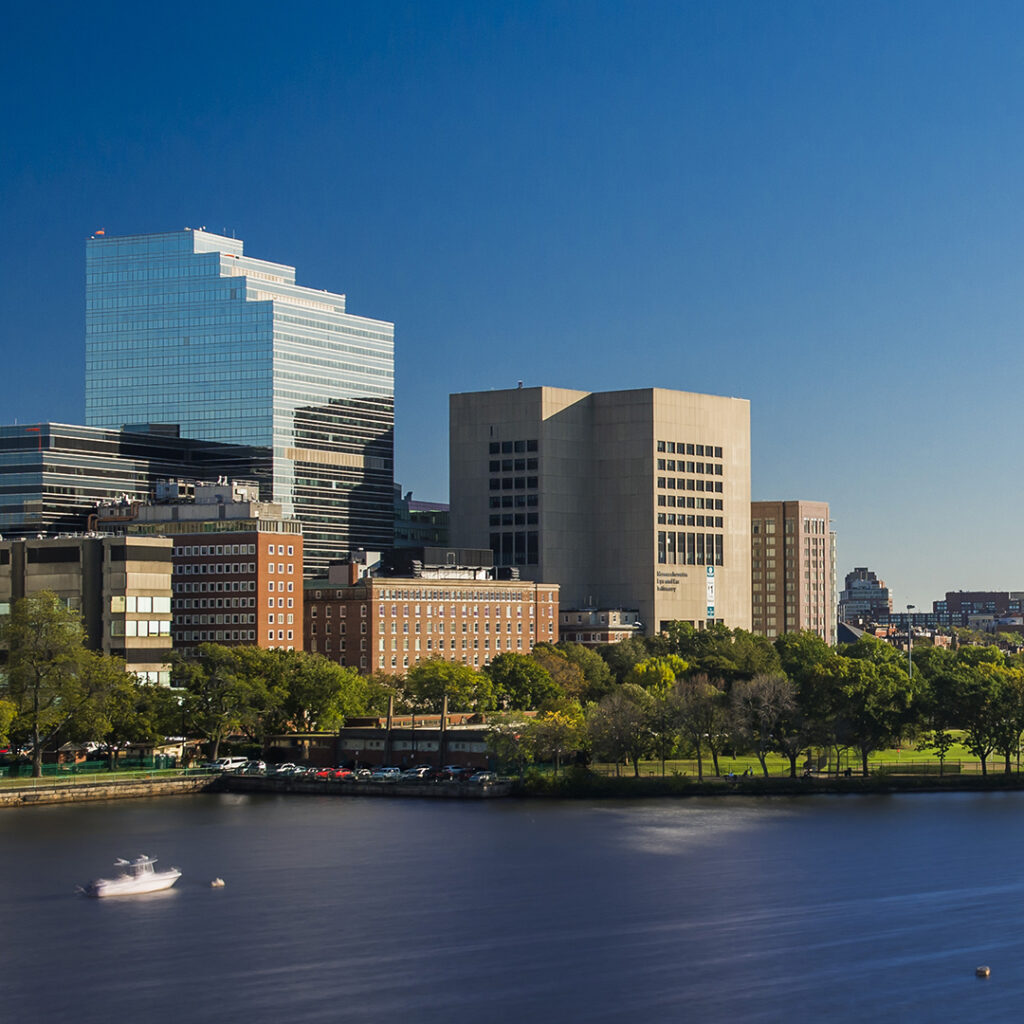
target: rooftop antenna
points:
(520, 386)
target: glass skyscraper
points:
(183, 328)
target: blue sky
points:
(815, 206)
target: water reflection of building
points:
(184, 328)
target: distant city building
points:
(54, 474)
(419, 523)
(593, 627)
(183, 328)
(450, 604)
(791, 568)
(237, 563)
(960, 606)
(626, 499)
(121, 586)
(865, 597)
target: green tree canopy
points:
(429, 682)
(51, 680)
(520, 683)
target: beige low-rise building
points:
(120, 585)
(626, 499)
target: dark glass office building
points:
(52, 475)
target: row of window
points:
(140, 627)
(218, 602)
(132, 603)
(512, 447)
(690, 548)
(519, 548)
(513, 483)
(430, 611)
(514, 519)
(672, 519)
(212, 588)
(707, 468)
(684, 484)
(216, 619)
(193, 550)
(686, 448)
(512, 465)
(671, 501)
(514, 501)
(215, 568)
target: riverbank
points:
(571, 785)
(37, 792)
(585, 785)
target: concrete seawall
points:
(421, 790)
(42, 792)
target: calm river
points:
(731, 910)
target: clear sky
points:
(815, 206)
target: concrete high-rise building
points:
(183, 328)
(626, 499)
(791, 568)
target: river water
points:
(347, 909)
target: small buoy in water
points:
(982, 972)
(218, 883)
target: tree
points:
(429, 682)
(723, 653)
(134, 713)
(877, 702)
(520, 683)
(558, 731)
(219, 697)
(319, 692)
(760, 707)
(509, 739)
(621, 657)
(658, 671)
(50, 679)
(597, 676)
(619, 726)
(566, 675)
(701, 711)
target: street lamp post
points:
(910, 641)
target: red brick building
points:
(456, 612)
(237, 565)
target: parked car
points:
(419, 773)
(252, 768)
(228, 764)
(479, 777)
(360, 774)
(454, 772)
(387, 774)
(288, 768)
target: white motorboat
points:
(137, 876)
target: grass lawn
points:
(894, 758)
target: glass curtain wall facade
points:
(184, 328)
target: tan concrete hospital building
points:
(626, 499)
